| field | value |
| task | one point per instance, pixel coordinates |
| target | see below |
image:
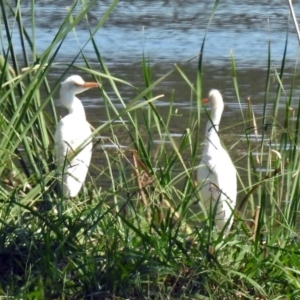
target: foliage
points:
(143, 235)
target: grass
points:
(142, 236)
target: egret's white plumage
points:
(73, 144)
(216, 175)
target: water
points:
(171, 32)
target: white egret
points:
(216, 175)
(73, 147)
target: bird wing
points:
(69, 135)
(225, 192)
(217, 178)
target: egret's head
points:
(70, 87)
(215, 100)
(74, 85)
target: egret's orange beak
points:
(205, 100)
(90, 84)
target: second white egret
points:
(216, 174)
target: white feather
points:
(73, 143)
(216, 174)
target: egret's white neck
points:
(74, 105)
(212, 127)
